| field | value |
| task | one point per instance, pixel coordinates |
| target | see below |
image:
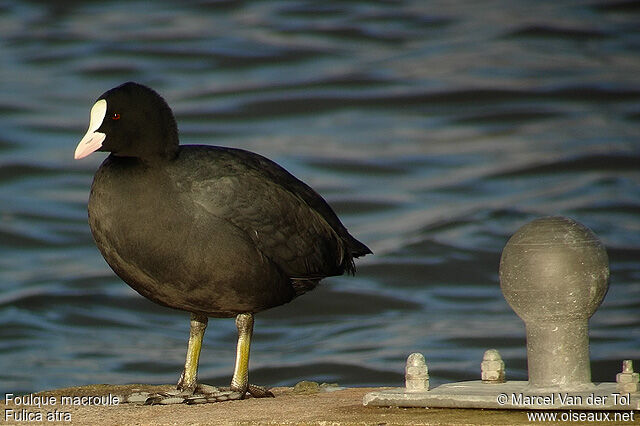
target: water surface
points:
(434, 130)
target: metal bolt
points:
(492, 367)
(416, 373)
(628, 381)
(554, 274)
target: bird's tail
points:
(354, 249)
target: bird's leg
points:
(189, 375)
(240, 380)
(188, 390)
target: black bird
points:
(218, 232)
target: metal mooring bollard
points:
(554, 273)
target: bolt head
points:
(627, 377)
(491, 355)
(493, 376)
(492, 365)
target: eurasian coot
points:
(218, 232)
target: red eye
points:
(115, 116)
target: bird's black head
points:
(131, 120)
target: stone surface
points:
(340, 407)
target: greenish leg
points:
(189, 391)
(189, 375)
(240, 380)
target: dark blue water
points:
(434, 129)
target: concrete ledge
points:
(341, 407)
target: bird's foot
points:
(202, 394)
(255, 391)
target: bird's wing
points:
(259, 199)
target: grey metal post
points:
(554, 274)
(558, 353)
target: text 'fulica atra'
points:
(218, 232)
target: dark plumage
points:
(210, 230)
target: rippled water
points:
(434, 129)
